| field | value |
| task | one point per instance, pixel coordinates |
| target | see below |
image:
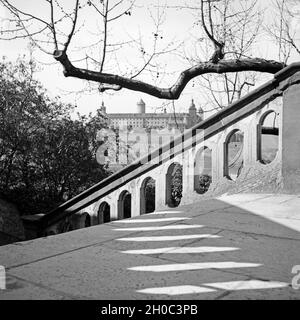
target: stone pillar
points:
(290, 129)
(114, 209)
(215, 164)
(94, 213)
(160, 192)
(249, 153)
(187, 177)
(218, 158)
(135, 202)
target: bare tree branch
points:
(227, 30)
(53, 24)
(73, 26)
(175, 90)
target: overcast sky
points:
(177, 26)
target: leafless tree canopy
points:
(282, 29)
(227, 30)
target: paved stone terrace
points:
(232, 247)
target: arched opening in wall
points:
(147, 195)
(234, 159)
(124, 205)
(65, 225)
(87, 221)
(268, 137)
(174, 185)
(203, 170)
(104, 213)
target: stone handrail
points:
(211, 126)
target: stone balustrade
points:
(252, 145)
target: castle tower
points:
(201, 114)
(192, 109)
(103, 108)
(141, 106)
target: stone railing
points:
(253, 144)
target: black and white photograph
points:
(149, 154)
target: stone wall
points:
(11, 227)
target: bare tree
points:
(59, 29)
(284, 28)
(225, 29)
